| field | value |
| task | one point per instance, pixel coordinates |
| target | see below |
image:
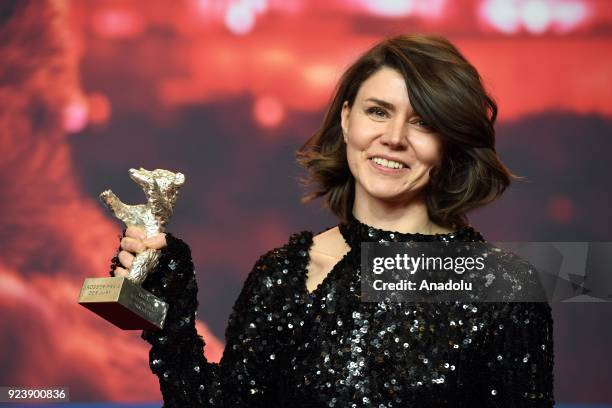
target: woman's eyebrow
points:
(382, 103)
(387, 105)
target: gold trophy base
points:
(123, 303)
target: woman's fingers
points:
(136, 235)
(132, 245)
(156, 242)
(126, 259)
(120, 272)
(135, 242)
(135, 231)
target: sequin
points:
(285, 348)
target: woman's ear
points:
(344, 119)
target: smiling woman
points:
(390, 151)
(405, 150)
(410, 121)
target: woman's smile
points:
(380, 167)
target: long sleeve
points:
(245, 375)
(516, 359)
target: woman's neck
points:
(408, 217)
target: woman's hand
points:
(134, 243)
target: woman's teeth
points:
(387, 163)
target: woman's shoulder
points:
(512, 277)
(295, 247)
(304, 253)
(283, 264)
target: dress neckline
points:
(355, 232)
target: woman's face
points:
(381, 125)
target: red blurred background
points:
(225, 91)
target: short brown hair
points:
(446, 91)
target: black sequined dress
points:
(286, 347)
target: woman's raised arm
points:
(245, 376)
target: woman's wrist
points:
(173, 280)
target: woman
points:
(405, 150)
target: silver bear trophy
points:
(161, 189)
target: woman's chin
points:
(392, 195)
(388, 196)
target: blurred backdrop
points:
(225, 91)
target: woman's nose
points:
(395, 134)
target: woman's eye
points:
(377, 112)
(422, 124)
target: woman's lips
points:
(387, 170)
